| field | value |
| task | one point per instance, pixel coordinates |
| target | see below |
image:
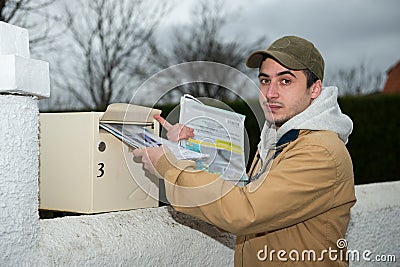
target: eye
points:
(264, 81)
(286, 81)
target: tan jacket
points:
(292, 215)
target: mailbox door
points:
(65, 173)
(119, 182)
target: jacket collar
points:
(288, 137)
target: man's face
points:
(283, 92)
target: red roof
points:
(392, 85)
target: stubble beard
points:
(278, 122)
(270, 117)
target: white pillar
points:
(22, 82)
(19, 178)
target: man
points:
(297, 205)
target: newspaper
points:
(218, 133)
(139, 137)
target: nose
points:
(272, 92)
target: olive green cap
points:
(293, 52)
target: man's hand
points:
(150, 157)
(175, 132)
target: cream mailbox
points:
(85, 169)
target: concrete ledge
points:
(143, 237)
(375, 223)
(24, 76)
(163, 237)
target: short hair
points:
(311, 77)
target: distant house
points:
(392, 85)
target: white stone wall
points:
(143, 237)
(375, 223)
(163, 237)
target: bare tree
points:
(357, 80)
(33, 15)
(203, 40)
(104, 44)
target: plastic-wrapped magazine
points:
(139, 137)
(219, 133)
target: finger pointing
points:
(164, 123)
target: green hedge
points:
(373, 145)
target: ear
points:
(316, 89)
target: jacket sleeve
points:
(300, 186)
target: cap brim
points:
(255, 59)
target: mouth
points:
(273, 107)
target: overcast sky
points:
(347, 32)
